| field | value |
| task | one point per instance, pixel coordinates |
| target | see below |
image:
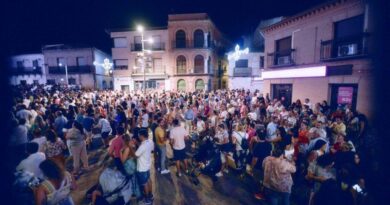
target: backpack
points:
(244, 142)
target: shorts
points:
(105, 135)
(143, 177)
(179, 154)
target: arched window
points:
(199, 84)
(198, 39)
(199, 64)
(104, 84)
(181, 65)
(180, 39)
(181, 85)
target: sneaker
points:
(219, 174)
(226, 171)
(259, 196)
(165, 171)
(178, 174)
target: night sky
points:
(33, 23)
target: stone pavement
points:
(171, 190)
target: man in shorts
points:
(144, 162)
(178, 135)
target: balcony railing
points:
(190, 44)
(153, 47)
(71, 69)
(149, 71)
(337, 49)
(242, 72)
(281, 58)
(27, 71)
(121, 67)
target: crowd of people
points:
(284, 147)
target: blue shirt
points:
(189, 115)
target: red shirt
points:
(116, 146)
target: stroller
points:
(207, 160)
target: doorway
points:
(280, 91)
(343, 94)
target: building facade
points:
(321, 54)
(244, 72)
(27, 69)
(184, 55)
(79, 63)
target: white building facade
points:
(184, 55)
(27, 69)
(244, 70)
(80, 66)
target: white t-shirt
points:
(144, 155)
(321, 132)
(145, 120)
(178, 135)
(224, 114)
(31, 164)
(105, 125)
(271, 131)
(41, 141)
(239, 136)
(200, 126)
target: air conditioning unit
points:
(284, 60)
(347, 50)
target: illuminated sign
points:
(318, 71)
(237, 53)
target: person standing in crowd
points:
(161, 140)
(106, 129)
(60, 123)
(222, 138)
(178, 135)
(277, 177)
(55, 190)
(54, 148)
(144, 157)
(189, 117)
(31, 163)
(116, 145)
(76, 137)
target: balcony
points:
(152, 47)
(190, 45)
(121, 67)
(346, 48)
(148, 71)
(281, 58)
(242, 72)
(27, 71)
(71, 69)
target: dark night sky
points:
(32, 23)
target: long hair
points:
(78, 126)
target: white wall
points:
(27, 63)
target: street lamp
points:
(66, 72)
(140, 29)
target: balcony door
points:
(283, 51)
(343, 94)
(348, 37)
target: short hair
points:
(324, 160)
(175, 122)
(277, 152)
(52, 170)
(143, 132)
(32, 147)
(120, 130)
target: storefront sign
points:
(318, 71)
(345, 95)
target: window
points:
(283, 51)
(181, 65)
(35, 63)
(72, 81)
(157, 45)
(120, 42)
(181, 85)
(121, 64)
(81, 61)
(199, 64)
(51, 81)
(348, 36)
(209, 65)
(61, 61)
(349, 27)
(180, 39)
(199, 84)
(19, 64)
(23, 82)
(137, 43)
(157, 64)
(261, 62)
(242, 63)
(198, 39)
